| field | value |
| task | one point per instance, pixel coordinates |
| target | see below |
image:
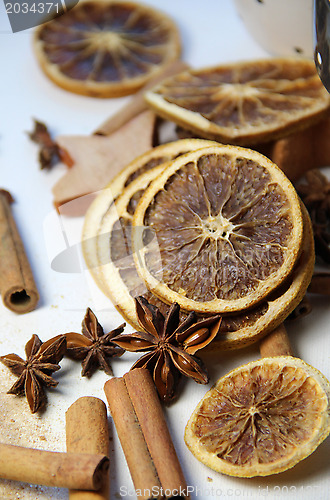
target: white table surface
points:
(212, 33)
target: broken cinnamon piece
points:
(276, 343)
(320, 283)
(17, 286)
(87, 432)
(64, 470)
(137, 104)
(98, 159)
(142, 430)
(302, 151)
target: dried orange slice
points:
(261, 418)
(229, 229)
(106, 48)
(98, 240)
(243, 103)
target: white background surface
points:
(212, 33)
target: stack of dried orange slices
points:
(218, 229)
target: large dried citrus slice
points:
(99, 243)
(261, 418)
(106, 48)
(229, 229)
(243, 103)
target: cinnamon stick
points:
(142, 469)
(150, 415)
(87, 432)
(276, 343)
(302, 309)
(17, 286)
(146, 442)
(137, 104)
(303, 151)
(48, 468)
(320, 284)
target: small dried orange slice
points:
(99, 243)
(243, 103)
(261, 418)
(229, 229)
(106, 48)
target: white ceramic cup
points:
(281, 27)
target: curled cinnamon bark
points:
(17, 286)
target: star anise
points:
(315, 193)
(93, 347)
(50, 153)
(36, 371)
(169, 345)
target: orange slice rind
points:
(114, 250)
(229, 229)
(106, 48)
(261, 418)
(243, 103)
